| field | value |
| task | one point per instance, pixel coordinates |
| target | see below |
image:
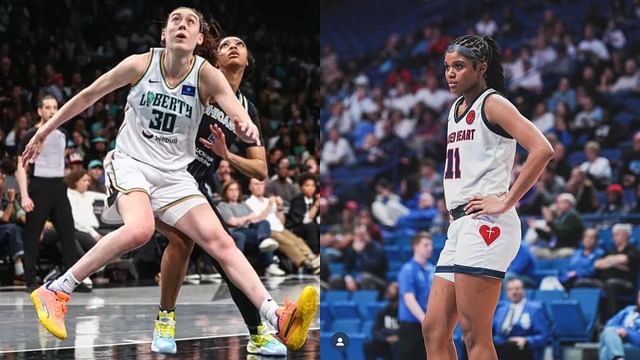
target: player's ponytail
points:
(495, 73)
(211, 35)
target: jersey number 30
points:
(162, 121)
(452, 168)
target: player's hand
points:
(27, 204)
(34, 146)
(247, 132)
(485, 205)
(218, 143)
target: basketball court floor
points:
(117, 323)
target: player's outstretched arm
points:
(215, 87)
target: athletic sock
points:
(268, 311)
(65, 283)
(168, 310)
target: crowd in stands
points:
(59, 48)
(571, 68)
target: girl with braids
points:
(484, 235)
(148, 175)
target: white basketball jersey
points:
(479, 155)
(161, 122)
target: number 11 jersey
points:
(161, 122)
(479, 156)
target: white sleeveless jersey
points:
(161, 122)
(479, 155)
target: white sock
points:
(18, 268)
(66, 283)
(268, 311)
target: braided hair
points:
(483, 49)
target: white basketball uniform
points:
(156, 142)
(479, 162)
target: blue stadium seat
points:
(374, 307)
(392, 276)
(367, 329)
(336, 268)
(546, 297)
(327, 350)
(356, 343)
(362, 299)
(325, 316)
(588, 299)
(344, 309)
(335, 295)
(349, 326)
(570, 323)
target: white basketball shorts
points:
(483, 246)
(172, 193)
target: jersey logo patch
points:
(489, 234)
(471, 116)
(188, 90)
(148, 136)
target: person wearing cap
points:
(561, 231)
(618, 269)
(614, 203)
(98, 148)
(96, 173)
(75, 162)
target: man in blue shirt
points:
(520, 326)
(414, 280)
(621, 336)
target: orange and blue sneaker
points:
(51, 306)
(294, 319)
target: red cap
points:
(615, 188)
(351, 205)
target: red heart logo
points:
(489, 234)
(470, 117)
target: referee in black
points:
(44, 194)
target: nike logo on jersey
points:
(148, 136)
(154, 81)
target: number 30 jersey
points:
(161, 122)
(479, 155)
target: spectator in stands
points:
(291, 245)
(250, 230)
(592, 48)
(530, 83)
(85, 223)
(614, 204)
(281, 184)
(581, 271)
(630, 171)
(385, 329)
(522, 266)
(303, 217)
(618, 269)
(221, 177)
(561, 164)
(365, 264)
(430, 178)
(620, 338)
(561, 230)
(11, 216)
(560, 126)
(520, 326)
(434, 97)
(337, 151)
(13, 137)
(340, 235)
(96, 176)
(387, 207)
(565, 94)
(583, 189)
(547, 189)
(589, 117)
(340, 119)
(543, 119)
(486, 25)
(630, 81)
(414, 280)
(613, 36)
(596, 167)
(422, 214)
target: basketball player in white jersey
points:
(156, 142)
(484, 236)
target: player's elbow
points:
(546, 152)
(262, 173)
